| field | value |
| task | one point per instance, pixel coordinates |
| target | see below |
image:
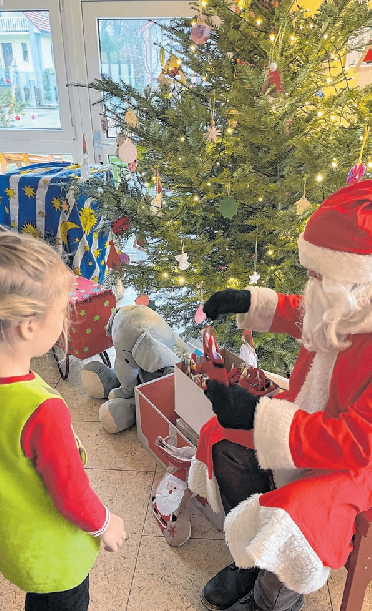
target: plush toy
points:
(146, 348)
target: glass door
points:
(121, 40)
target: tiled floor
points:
(145, 574)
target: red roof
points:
(40, 19)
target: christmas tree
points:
(254, 122)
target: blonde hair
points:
(32, 277)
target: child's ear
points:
(26, 329)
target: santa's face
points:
(169, 494)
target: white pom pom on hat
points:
(337, 241)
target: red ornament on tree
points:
(113, 261)
(143, 300)
(120, 225)
(17, 118)
(273, 80)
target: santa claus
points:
(314, 439)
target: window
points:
(7, 48)
(28, 86)
(25, 51)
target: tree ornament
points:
(130, 118)
(200, 315)
(228, 206)
(139, 244)
(273, 80)
(200, 31)
(156, 202)
(254, 278)
(127, 151)
(120, 225)
(113, 259)
(155, 206)
(162, 56)
(124, 258)
(212, 131)
(216, 21)
(17, 118)
(142, 300)
(132, 166)
(182, 260)
(303, 203)
(356, 173)
(172, 68)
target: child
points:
(51, 521)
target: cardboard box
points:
(191, 404)
(156, 417)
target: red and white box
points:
(156, 417)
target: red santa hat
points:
(337, 241)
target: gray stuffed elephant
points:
(146, 348)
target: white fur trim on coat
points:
(268, 537)
(347, 267)
(272, 423)
(314, 393)
(199, 483)
(262, 310)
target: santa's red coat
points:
(317, 439)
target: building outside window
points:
(28, 85)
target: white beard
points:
(327, 304)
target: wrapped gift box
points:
(36, 199)
(90, 309)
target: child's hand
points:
(114, 535)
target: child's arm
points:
(48, 440)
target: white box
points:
(190, 402)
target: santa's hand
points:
(233, 405)
(229, 301)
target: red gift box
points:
(90, 309)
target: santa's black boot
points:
(269, 594)
(227, 587)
